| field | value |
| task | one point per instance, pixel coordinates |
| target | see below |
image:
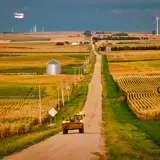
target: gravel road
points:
(75, 146)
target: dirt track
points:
(75, 146)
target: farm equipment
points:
(75, 123)
(158, 90)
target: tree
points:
(153, 32)
(88, 33)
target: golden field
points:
(142, 96)
(138, 77)
(42, 42)
(21, 61)
(19, 94)
(19, 100)
(41, 47)
(133, 55)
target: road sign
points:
(52, 112)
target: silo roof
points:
(53, 62)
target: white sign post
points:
(52, 112)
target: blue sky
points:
(56, 15)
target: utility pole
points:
(58, 99)
(75, 68)
(40, 106)
(79, 73)
(88, 59)
(12, 29)
(68, 89)
(62, 90)
(74, 75)
(84, 68)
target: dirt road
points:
(75, 146)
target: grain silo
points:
(53, 67)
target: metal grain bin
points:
(53, 68)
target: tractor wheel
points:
(81, 130)
(65, 131)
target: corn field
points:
(20, 114)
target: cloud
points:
(117, 11)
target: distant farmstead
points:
(53, 68)
(108, 49)
(75, 43)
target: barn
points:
(53, 68)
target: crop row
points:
(20, 115)
(142, 96)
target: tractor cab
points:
(77, 118)
(76, 123)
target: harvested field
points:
(38, 36)
(41, 47)
(133, 55)
(138, 80)
(41, 42)
(127, 69)
(134, 63)
(142, 96)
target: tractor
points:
(76, 123)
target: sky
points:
(79, 15)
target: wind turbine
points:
(157, 21)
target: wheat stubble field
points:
(138, 77)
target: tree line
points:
(115, 38)
(103, 48)
(67, 43)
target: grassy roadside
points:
(127, 138)
(17, 143)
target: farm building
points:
(53, 68)
(75, 43)
(108, 49)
